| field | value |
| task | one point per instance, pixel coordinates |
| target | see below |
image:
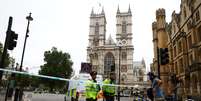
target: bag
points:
(150, 93)
(100, 95)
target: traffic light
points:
(163, 56)
(12, 37)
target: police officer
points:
(92, 88)
(109, 90)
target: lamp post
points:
(29, 18)
(119, 44)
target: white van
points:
(77, 84)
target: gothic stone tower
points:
(105, 55)
(159, 30)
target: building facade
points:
(182, 37)
(107, 55)
(140, 74)
(139, 71)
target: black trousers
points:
(90, 99)
(109, 98)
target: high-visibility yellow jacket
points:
(71, 93)
(92, 89)
(108, 90)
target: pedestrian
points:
(92, 88)
(156, 87)
(109, 88)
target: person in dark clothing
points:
(156, 88)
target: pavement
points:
(29, 96)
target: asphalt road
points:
(44, 97)
(58, 97)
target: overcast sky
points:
(65, 25)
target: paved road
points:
(44, 97)
(2, 94)
(59, 97)
(29, 96)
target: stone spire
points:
(118, 11)
(129, 9)
(110, 41)
(92, 11)
(103, 12)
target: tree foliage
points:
(57, 64)
(7, 59)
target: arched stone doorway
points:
(109, 64)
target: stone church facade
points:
(107, 55)
(139, 70)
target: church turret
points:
(118, 11)
(103, 12)
(92, 12)
(162, 43)
(160, 17)
(124, 26)
(129, 10)
(97, 29)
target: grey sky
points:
(65, 25)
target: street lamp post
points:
(120, 46)
(29, 18)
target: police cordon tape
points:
(58, 78)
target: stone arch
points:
(109, 63)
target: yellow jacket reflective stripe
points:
(91, 89)
(108, 89)
(71, 93)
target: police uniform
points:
(108, 90)
(92, 89)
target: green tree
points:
(57, 64)
(25, 80)
(7, 59)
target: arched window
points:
(97, 28)
(124, 55)
(109, 63)
(124, 27)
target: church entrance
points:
(109, 64)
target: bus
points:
(76, 88)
